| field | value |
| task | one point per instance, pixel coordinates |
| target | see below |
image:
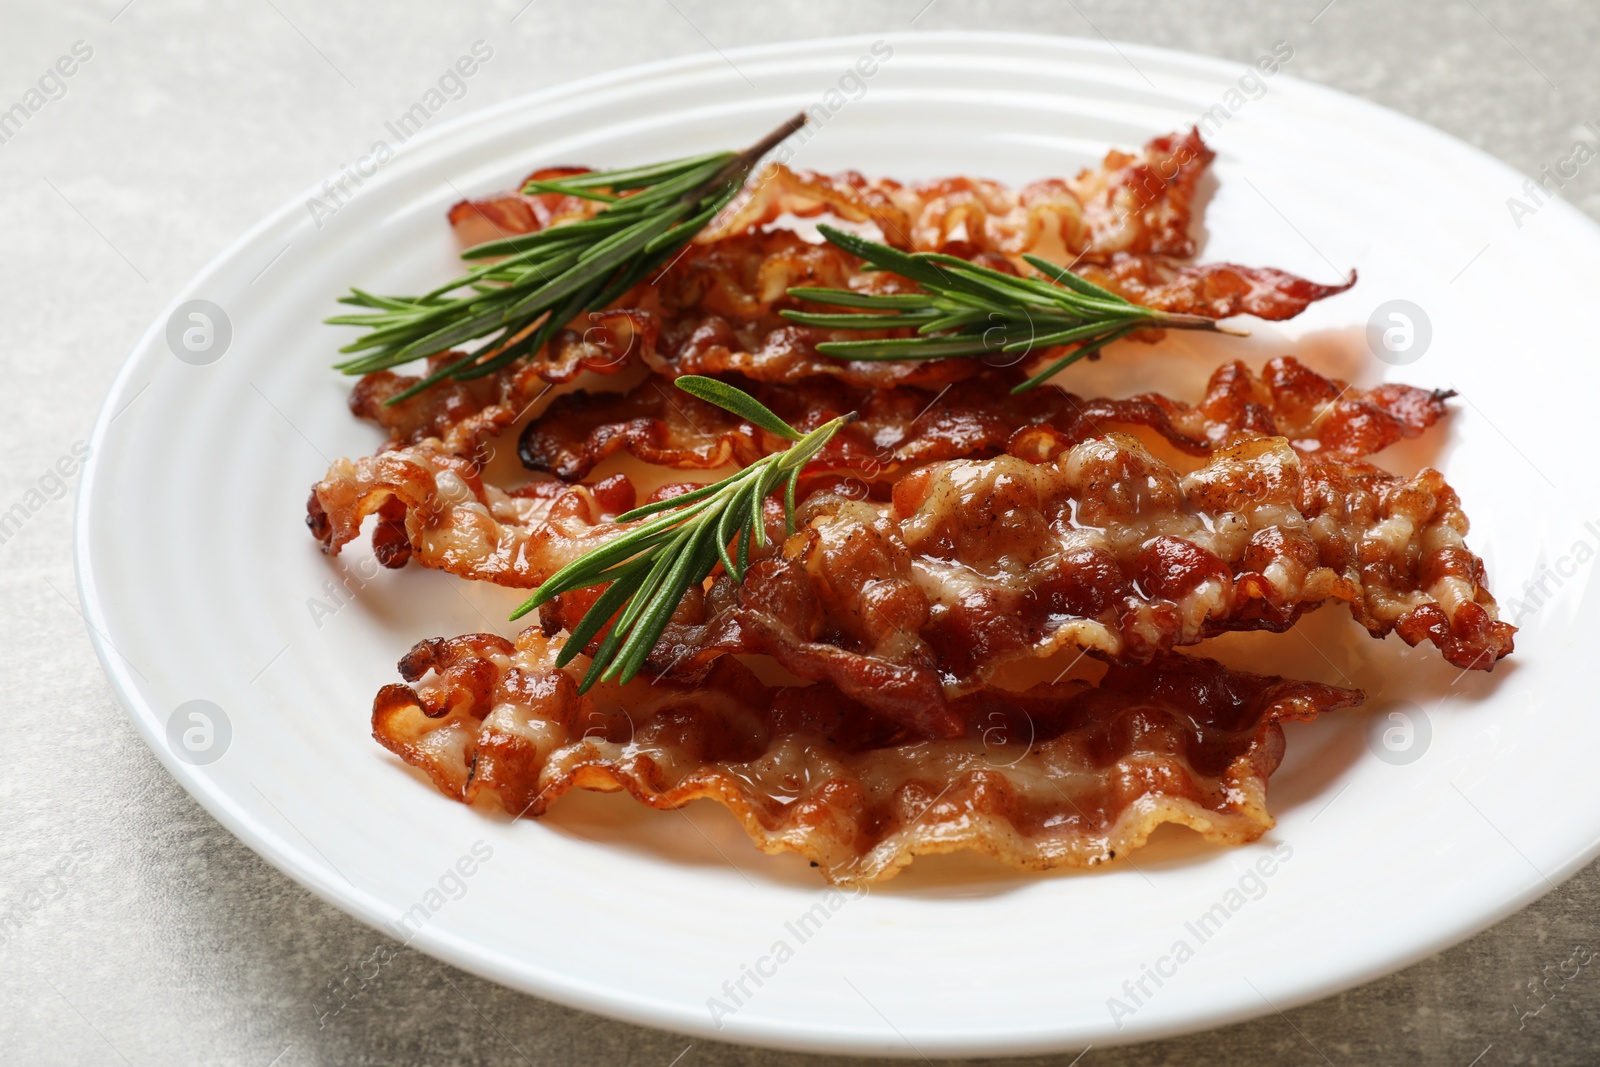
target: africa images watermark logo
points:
(20, 908)
(341, 188)
(49, 487)
(1142, 988)
(50, 87)
(741, 989)
(1249, 86)
(850, 86)
(199, 732)
(345, 989)
(1552, 178)
(199, 332)
(1551, 576)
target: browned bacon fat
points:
(436, 508)
(1141, 202)
(908, 604)
(906, 426)
(459, 418)
(1134, 202)
(1060, 776)
(512, 213)
(716, 311)
(1215, 290)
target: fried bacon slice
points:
(1135, 202)
(906, 426)
(1139, 202)
(1326, 416)
(459, 418)
(908, 604)
(1060, 776)
(436, 507)
(660, 424)
(716, 311)
(512, 213)
(712, 312)
(1215, 290)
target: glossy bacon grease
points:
(953, 533)
(1140, 202)
(1068, 775)
(973, 565)
(905, 426)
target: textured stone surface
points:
(163, 940)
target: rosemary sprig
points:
(969, 310)
(539, 281)
(653, 565)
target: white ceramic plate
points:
(200, 583)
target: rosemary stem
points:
(748, 158)
(650, 568)
(965, 310)
(647, 215)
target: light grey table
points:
(133, 928)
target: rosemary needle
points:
(539, 281)
(966, 309)
(650, 567)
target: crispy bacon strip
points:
(663, 425)
(511, 213)
(1060, 776)
(905, 426)
(710, 313)
(716, 311)
(909, 604)
(1139, 202)
(436, 508)
(459, 418)
(1326, 416)
(1215, 290)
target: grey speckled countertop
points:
(151, 935)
